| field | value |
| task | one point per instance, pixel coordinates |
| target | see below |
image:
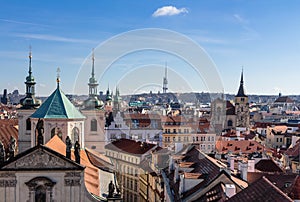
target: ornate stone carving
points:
(2, 175)
(8, 183)
(72, 174)
(72, 182)
(38, 160)
(72, 179)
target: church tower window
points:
(28, 124)
(94, 125)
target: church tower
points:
(117, 101)
(165, 81)
(29, 105)
(242, 107)
(94, 135)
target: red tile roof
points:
(91, 173)
(244, 146)
(261, 190)
(130, 146)
(8, 128)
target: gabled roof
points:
(130, 146)
(267, 165)
(57, 106)
(261, 190)
(284, 99)
(40, 158)
(295, 190)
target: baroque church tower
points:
(94, 135)
(29, 104)
(242, 107)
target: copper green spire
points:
(30, 102)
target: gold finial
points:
(58, 75)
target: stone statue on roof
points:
(68, 147)
(12, 147)
(111, 189)
(77, 152)
(40, 131)
(2, 153)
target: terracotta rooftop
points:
(268, 165)
(91, 173)
(130, 146)
(293, 151)
(193, 175)
(244, 146)
(8, 128)
(261, 190)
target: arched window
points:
(229, 123)
(94, 125)
(28, 124)
(75, 135)
(40, 189)
(56, 131)
(40, 193)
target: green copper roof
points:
(57, 106)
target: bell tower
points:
(242, 106)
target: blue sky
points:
(260, 36)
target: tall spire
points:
(93, 64)
(241, 92)
(165, 80)
(30, 56)
(30, 101)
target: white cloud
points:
(169, 11)
(53, 38)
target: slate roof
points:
(261, 191)
(267, 165)
(130, 146)
(57, 106)
(284, 99)
(295, 189)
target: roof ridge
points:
(275, 187)
(63, 101)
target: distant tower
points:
(4, 99)
(242, 107)
(117, 101)
(108, 98)
(165, 80)
(93, 102)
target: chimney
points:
(244, 170)
(181, 184)
(176, 173)
(230, 190)
(231, 162)
(171, 164)
(251, 165)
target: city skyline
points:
(260, 37)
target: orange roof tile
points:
(244, 146)
(91, 173)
